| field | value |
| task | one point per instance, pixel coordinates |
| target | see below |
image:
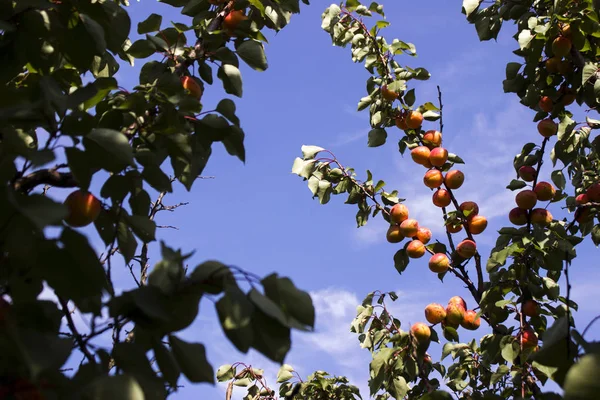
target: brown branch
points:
(76, 335)
(45, 177)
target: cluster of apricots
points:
(591, 195)
(404, 227)
(527, 200)
(82, 208)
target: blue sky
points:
(261, 217)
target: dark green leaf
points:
(191, 358)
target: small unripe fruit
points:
(454, 227)
(517, 216)
(409, 227)
(388, 94)
(561, 46)
(582, 199)
(477, 224)
(471, 321)
(528, 338)
(527, 173)
(191, 86)
(394, 235)
(541, 217)
(546, 104)
(432, 139)
(526, 199)
(83, 208)
(233, 19)
(466, 249)
(439, 263)
(458, 301)
(547, 128)
(438, 156)
(398, 213)
(421, 332)
(454, 314)
(593, 192)
(454, 179)
(433, 178)
(531, 308)
(552, 65)
(401, 123)
(414, 119)
(469, 209)
(415, 249)
(544, 191)
(435, 313)
(424, 235)
(420, 155)
(441, 198)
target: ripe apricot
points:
(433, 178)
(454, 314)
(546, 104)
(544, 191)
(547, 128)
(517, 216)
(565, 30)
(528, 338)
(454, 179)
(568, 97)
(458, 301)
(466, 249)
(414, 119)
(582, 199)
(593, 192)
(477, 224)
(421, 332)
(471, 321)
(424, 235)
(526, 199)
(432, 139)
(439, 263)
(409, 227)
(527, 173)
(561, 46)
(435, 313)
(420, 155)
(469, 209)
(388, 94)
(441, 198)
(530, 308)
(582, 214)
(191, 86)
(394, 235)
(552, 65)
(398, 213)
(438, 156)
(82, 208)
(415, 249)
(541, 217)
(233, 19)
(401, 123)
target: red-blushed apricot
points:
(541, 216)
(441, 198)
(546, 104)
(424, 235)
(471, 321)
(569, 96)
(454, 179)
(582, 199)
(409, 227)
(427, 359)
(582, 214)
(552, 65)
(547, 128)
(394, 235)
(544, 191)
(420, 332)
(469, 208)
(517, 216)
(528, 338)
(438, 156)
(439, 263)
(458, 301)
(191, 86)
(561, 46)
(454, 227)
(530, 308)
(415, 249)
(414, 119)
(526, 199)
(527, 173)
(593, 192)
(455, 314)
(401, 123)
(565, 30)
(420, 155)
(233, 19)
(477, 224)
(82, 208)
(435, 313)
(432, 139)
(433, 178)
(398, 213)
(388, 94)
(466, 249)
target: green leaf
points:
(96, 32)
(285, 373)
(117, 387)
(126, 241)
(41, 210)
(516, 184)
(581, 382)
(270, 337)
(191, 358)
(167, 364)
(227, 109)
(253, 54)
(143, 227)
(589, 70)
(235, 313)
(377, 137)
(303, 168)
(231, 77)
(141, 49)
(114, 142)
(150, 24)
(409, 97)
(559, 179)
(309, 152)
(225, 372)
(469, 6)
(401, 260)
(296, 303)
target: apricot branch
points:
(45, 177)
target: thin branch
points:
(45, 177)
(76, 335)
